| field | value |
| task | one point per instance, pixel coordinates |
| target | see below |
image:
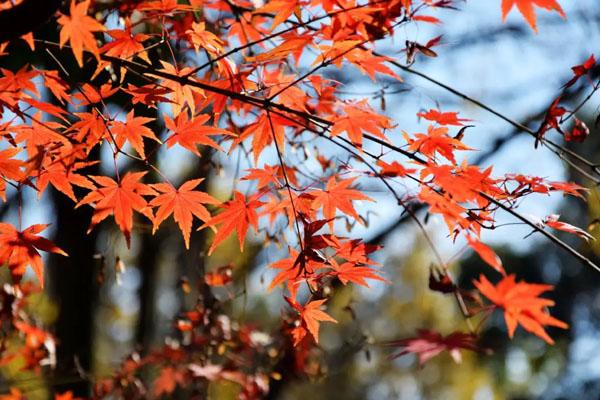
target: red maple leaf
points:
(338, 195)
(436, 140)
(133, 130)
(63, 177)
(183, 203)
(167, 381)
(189, 133)
(553, 222)
(394, 169)
(526, 9)
(311, 316)
(10, 169)
(551, 120)
(238, 214)
(521, 305)
(429, 344)
(20, 249)
(351, 272)
(581, 70)
(119, 199)
(579, 133)
(486, 253)
(358, 119)
(443, 118)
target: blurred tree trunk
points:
(73, 286)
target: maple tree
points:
(128, 89)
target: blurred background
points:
(106, 302)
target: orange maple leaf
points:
(126, 44)
(526, 9)
(63, 177)
(521, 305)
(487, 254)
(181, 95)
(119, 199)
(78, 28)
(436, 140)
(394, 169)
(183, 203)
(358, 120)
(311, 315)
(167, 381)
(189, 133)
(238, 214)
(443, 118)
(10, 168)
(133, 130)
(263, 130)
(338, 196)
(352, 272)
(271, 174)
(20, 249)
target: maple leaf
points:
(579, 133)
(149, 95)
(443, 118)
(63, 177)
(271, 174)
(394, 169)
(553, 222)
(581, 70)
(167, 381)
(183, 203)
(521, 305)
(119, 199)
(290, 271)
(89, 94)
(551, 120)
(291, 46)
(429, 344)
(201, 38)
(526, 9)
(190, 133)
(486, 253)
(126, 44)
(266, 128)
(90, 129)
(78, 28)
(163, 7)
(132, 131)
(20, 81)
(311, 315)
(338, 196)
(68, 395)
(10, 168)
(238, 214)
(436, 140)
(57, 85)
(369, 64)
(282, 9)
(20, 249)
(359, 119)
(182, 95)
(299, 267)
(351, 272)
